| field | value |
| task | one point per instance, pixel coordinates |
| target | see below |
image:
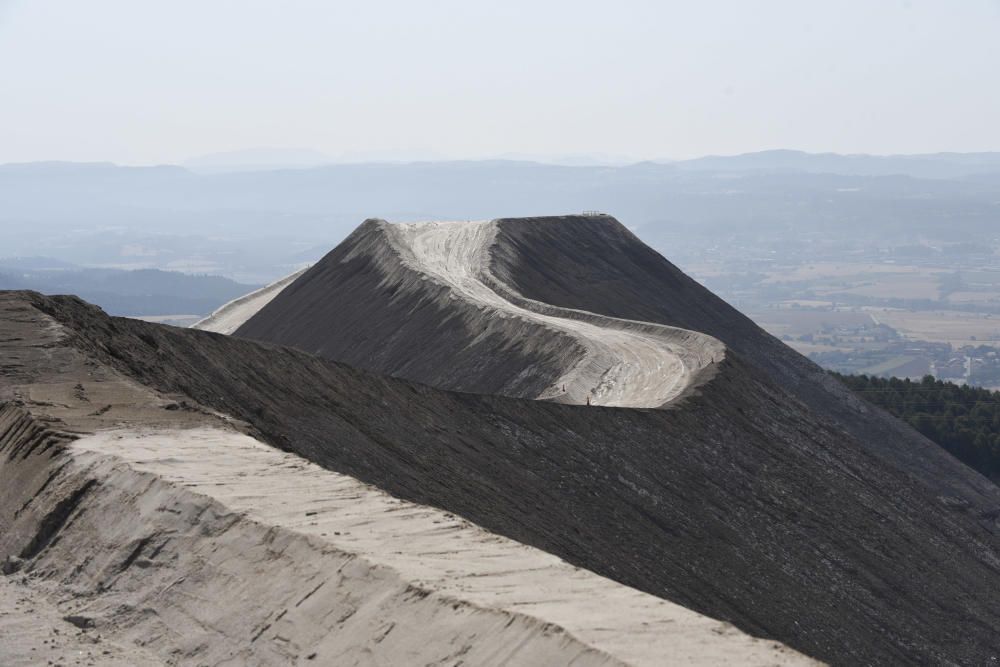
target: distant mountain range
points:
(926, 165)
(256, 226)
(930, 165)
(264, 159)
(258, 159)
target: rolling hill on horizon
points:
(131, 293)
(254, 226)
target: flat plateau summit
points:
(392, 460)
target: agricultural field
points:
(828, 281)
(957, 328)
(884, 319)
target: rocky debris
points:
(33, 632)
(11, 564)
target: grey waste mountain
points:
(367, 307)
(767, 495)
(738, 502)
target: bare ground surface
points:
(595, 620)
(420, 301)
(624, 363)
(170, 535)
(596, 264)
(34, 631)
(230, 316)
(742, 505)
(365, 305)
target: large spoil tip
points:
(625, 363)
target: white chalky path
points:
(626, 364)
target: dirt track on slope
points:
(625, 364)
(230, 316)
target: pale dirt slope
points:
(534, 594)
(33, 631)
(229, 317)
(204, 546)
(621, 366)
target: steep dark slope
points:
(428, 308)
(596, 264)
(740, 505)
(364, 306)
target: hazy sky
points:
(147, 81)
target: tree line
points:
(964, 420)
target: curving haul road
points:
(626, 363)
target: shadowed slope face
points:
(362, 304)
(741, 504)
(443, 269)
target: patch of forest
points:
(964, 420)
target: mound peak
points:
(378, 302)
(444, 317)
